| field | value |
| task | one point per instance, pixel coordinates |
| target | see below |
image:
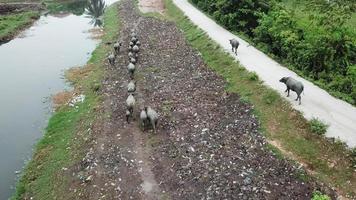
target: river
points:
(31, 70)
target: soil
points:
(12, 8)
(207, 146)
(151, 6)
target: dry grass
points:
(96, 33)
(75, 74)
(62, 98)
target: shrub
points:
(318, 126)
(319, 196)
(253, 76)
(235, 15)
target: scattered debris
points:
(76, 99)
(207, 145)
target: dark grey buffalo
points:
(234, 45)
(117, 46)
(152, 117)
(293, 85)
(111, 59)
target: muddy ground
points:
(14, 8)
(208, 144)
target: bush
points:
(318, 126)
(253, 76)
(235, 15)
(319, 196)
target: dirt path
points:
(316, 102)
(151, 6)
(207, 145)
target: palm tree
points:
(95, 10)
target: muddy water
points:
(31, 69)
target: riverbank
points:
(12, 24)
(16, 16)
(46, 176)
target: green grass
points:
(299, 6)
(319, 196)
(64, 141)
(279, 122)
(13, 23)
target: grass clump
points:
(252, 76)
(318, 127)
(68, 130)
(319, 196)
(245, 99)
(278, 120)
(270, 97)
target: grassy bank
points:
(46, 175)
(11, 24)
(284, 127)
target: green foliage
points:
(95, 11)
(316, 39)
(77, 7)
(245, 99)
(253, 76)
(235, 15)
(319, 196)
(317, 126)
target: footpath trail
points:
(316, 102)
(207, 145)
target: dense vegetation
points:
(316, 38)
(76, 7)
